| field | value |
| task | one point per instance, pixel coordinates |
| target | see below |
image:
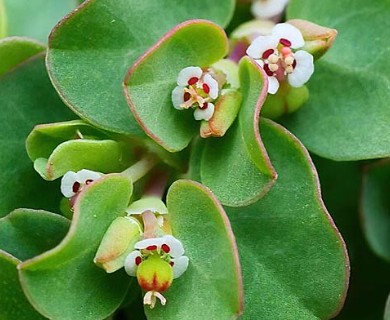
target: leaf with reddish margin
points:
(24, 233)
(236, 167)
(211, 287)
(375, 207)
(14, 304)
(293, 258)
(92, 48)
(149, 83)
(14, 50)
(77, 288)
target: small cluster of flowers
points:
(155, 260)
(196, 89)
(277, 54)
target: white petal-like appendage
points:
(84, 175)
(273, 85)
(204, 114)
(303, 69)
(130, 265)
(175, 245)
(289, 32)
(265, 9)
(188, 73)
(67, 183)
(260, 63)
(143, 244)
(177, 97)
(213, 85)
(180, 265)
(260, 45)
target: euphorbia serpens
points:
(174, 117)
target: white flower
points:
(277, 55)
(155, 263)
(73, 182)
(265, 9)
(196, 89)
(168, 247)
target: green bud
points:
(250, 30)
(318, 39)
(117, 243)
(230, 73)
(287, 100)
(226, 110)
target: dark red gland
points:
(87, 182)
(285, 42)
(187, 96)
(267, 70)
(204, 106)
(172, 263)
(165, 248)
(76, 187)
(151, 248)
(138, 261)
(267, 53)
(193, 80)
(206, 88)
(294, 64)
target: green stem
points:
(140, 168)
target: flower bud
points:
(117, 243)
(318, 39)
(226, 110)
(287, 100)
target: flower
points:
(277, 56)
(196, 89)
(265, 9)
(155, 263)
(73, 182)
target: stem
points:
(155, 187)
(140, 168)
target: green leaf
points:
(15, 50)
(211, 287)
(74, 145)
(77, 288)
(289, 244)
(236, 167)
(376, 209)
(3, 20)
(90, 51)
(150, 81)
(14, 304)
(346, 117)
(25, 233)
(387, 309)
(35, 18)
(35, 102)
